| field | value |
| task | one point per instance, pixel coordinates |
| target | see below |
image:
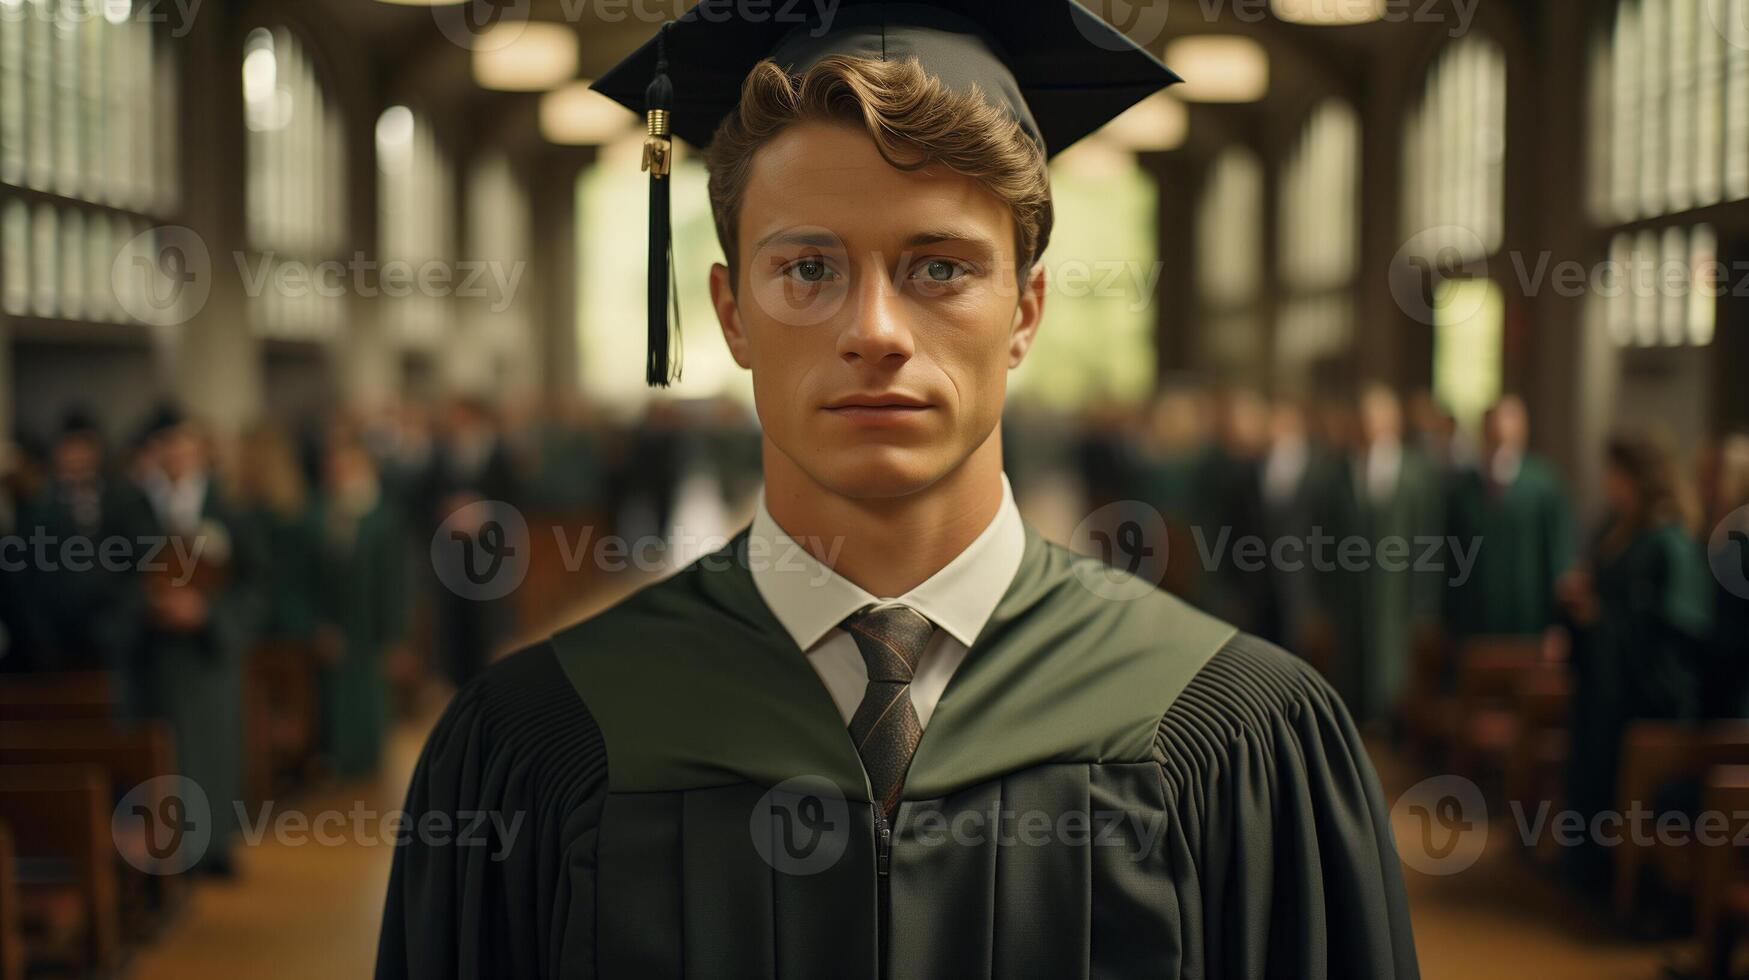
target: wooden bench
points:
(283, 712)
(59, 818)
(1428, 710)
(1654, 755)
(1490, 674)
(88, 695)
(1536, 763)
(128, 756)
(11, 938)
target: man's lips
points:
(879, 408)
(884, 400)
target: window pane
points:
(1230, 232)
(1625, 163)
(1709, 109)
(44, 276)
(15, 258)
(1654, 85)
(1707, 280)
(40, 91)
(1460, 129)
(13, 105)
(65, 59)
(1679, 150)
(1737, 107)
(1598, 149)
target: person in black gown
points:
(1640, 611)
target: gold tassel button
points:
(658, 153)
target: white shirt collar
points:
(810, 599)
(1505, 466)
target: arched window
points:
(1229, 256)
(1669, 133)
(416, 227)
(1669, 109)
(1454, 154)
(1454, 212)
(296, 188)
(1318, 247)
(498, 234)
(88, 153)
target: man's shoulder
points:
(520, 705)
(1251, 688)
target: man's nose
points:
(876, 327)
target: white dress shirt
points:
(810, 599)
(178, 505)
(1380, 467)
(1282, 470)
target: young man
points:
(889, 731)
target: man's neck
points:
(887, 545)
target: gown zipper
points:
(883, 861)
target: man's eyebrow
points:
(799, 236)
(819, 238)
(940, 235)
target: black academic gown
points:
(194, 681)
(1200, 804)
(79, 611)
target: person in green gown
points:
(888, 729)
(1385, 516)
(273, 495)
(363, 609)
(204, 612)
(1513, 513)
(1640, 610)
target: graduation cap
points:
(1060, 70)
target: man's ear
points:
(729, 314)
(1027, 314)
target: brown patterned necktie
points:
(885, 726)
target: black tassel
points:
(661, 367)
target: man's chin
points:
(875, 471)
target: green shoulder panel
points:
(1078, 663)
(695, 684)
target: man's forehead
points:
(822, 181)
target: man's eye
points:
(941, 270)
(809, 270)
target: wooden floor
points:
(292, 912)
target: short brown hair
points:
(914, 121)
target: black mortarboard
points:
(1061, 70)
